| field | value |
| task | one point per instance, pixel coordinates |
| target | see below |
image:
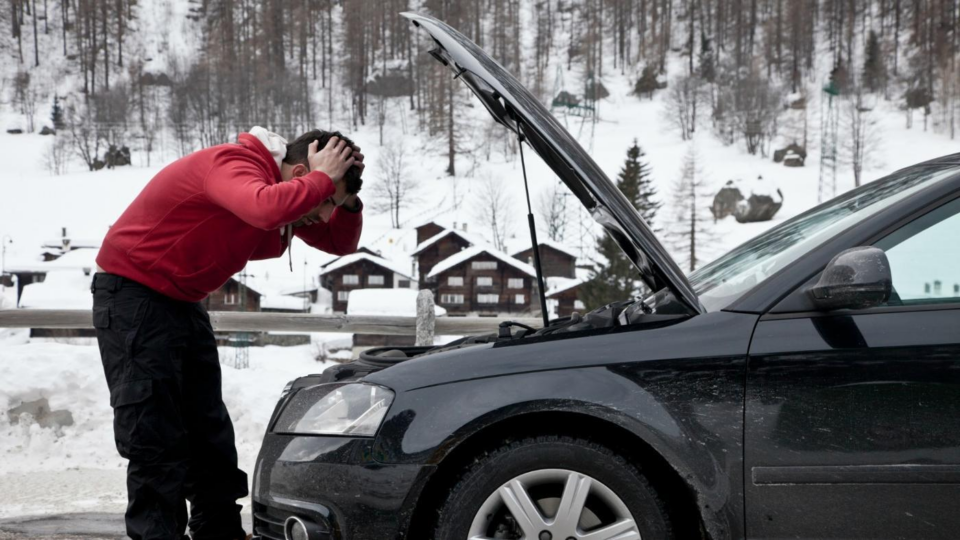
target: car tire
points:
(491, 475)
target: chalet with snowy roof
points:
(445, 243)
(231, 296)
(361, 270)
(428, 230)
(485, 281)
(563, 296)
(556, 259)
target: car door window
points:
(925, 258)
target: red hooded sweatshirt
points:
(201, 218)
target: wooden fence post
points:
(426, 318)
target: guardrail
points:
(424, 326)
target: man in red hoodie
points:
(194, 225)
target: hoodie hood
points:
(275, 144)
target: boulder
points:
(39, 411)
(15, 131)
(47, 130)
(794, 148)
(116, 157)
(726, 200)
(747, 201)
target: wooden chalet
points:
(563, 296)
(557, 260)
(437, 248)
(360, 270)
(229, 297)
(484, 281)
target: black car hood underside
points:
(514, 107)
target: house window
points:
(519, 299)
(484, 281)
(451, 298)
(403, 283)
(515, 283)
(343, 296)
(455, 281)
(351, 279)
(488, 298)
(376, 279)
(230, 299)
(578, 304)
(484, 265)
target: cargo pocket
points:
(146, 422)
(101, 317)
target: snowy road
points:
(85, 526)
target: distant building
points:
(360, 270)
(556, 259)
(438, 247)
(563, 296)
(483, 281)
(229, 298)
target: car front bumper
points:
(336, 484)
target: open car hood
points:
(514, 107)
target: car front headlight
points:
(354, 409)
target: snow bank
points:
(71, 377)
(386, 302)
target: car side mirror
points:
(857, 278)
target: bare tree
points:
(552, 207)
(57, 156)
(396, 189)
(25, 96)
(85, 136)
(685, 97)
(861, 145)
(494, 210)
(748, 106)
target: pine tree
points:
(56, 114)
(874, 69)
(614, 277)
(690, 231)
(647, 84)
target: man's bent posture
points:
(193, 226)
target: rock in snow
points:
(763, 201)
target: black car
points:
(805, 385)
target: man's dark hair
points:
(297, 154)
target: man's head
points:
(295, 164)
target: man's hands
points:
(335, 158)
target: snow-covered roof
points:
(347, 260)
(386, 302)
(557, 285)
(74, 243)
(79, 259)
(472, 240)
(555, 245)
(62, 289)
(282, 301)
(471, 252)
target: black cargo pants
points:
(160, 359)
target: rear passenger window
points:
(925, 258)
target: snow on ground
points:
(76, 468)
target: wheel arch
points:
(686, 513)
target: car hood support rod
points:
(533, 235)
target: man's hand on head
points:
(334, 160)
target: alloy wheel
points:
(553, 504)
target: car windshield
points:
(726, 279)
